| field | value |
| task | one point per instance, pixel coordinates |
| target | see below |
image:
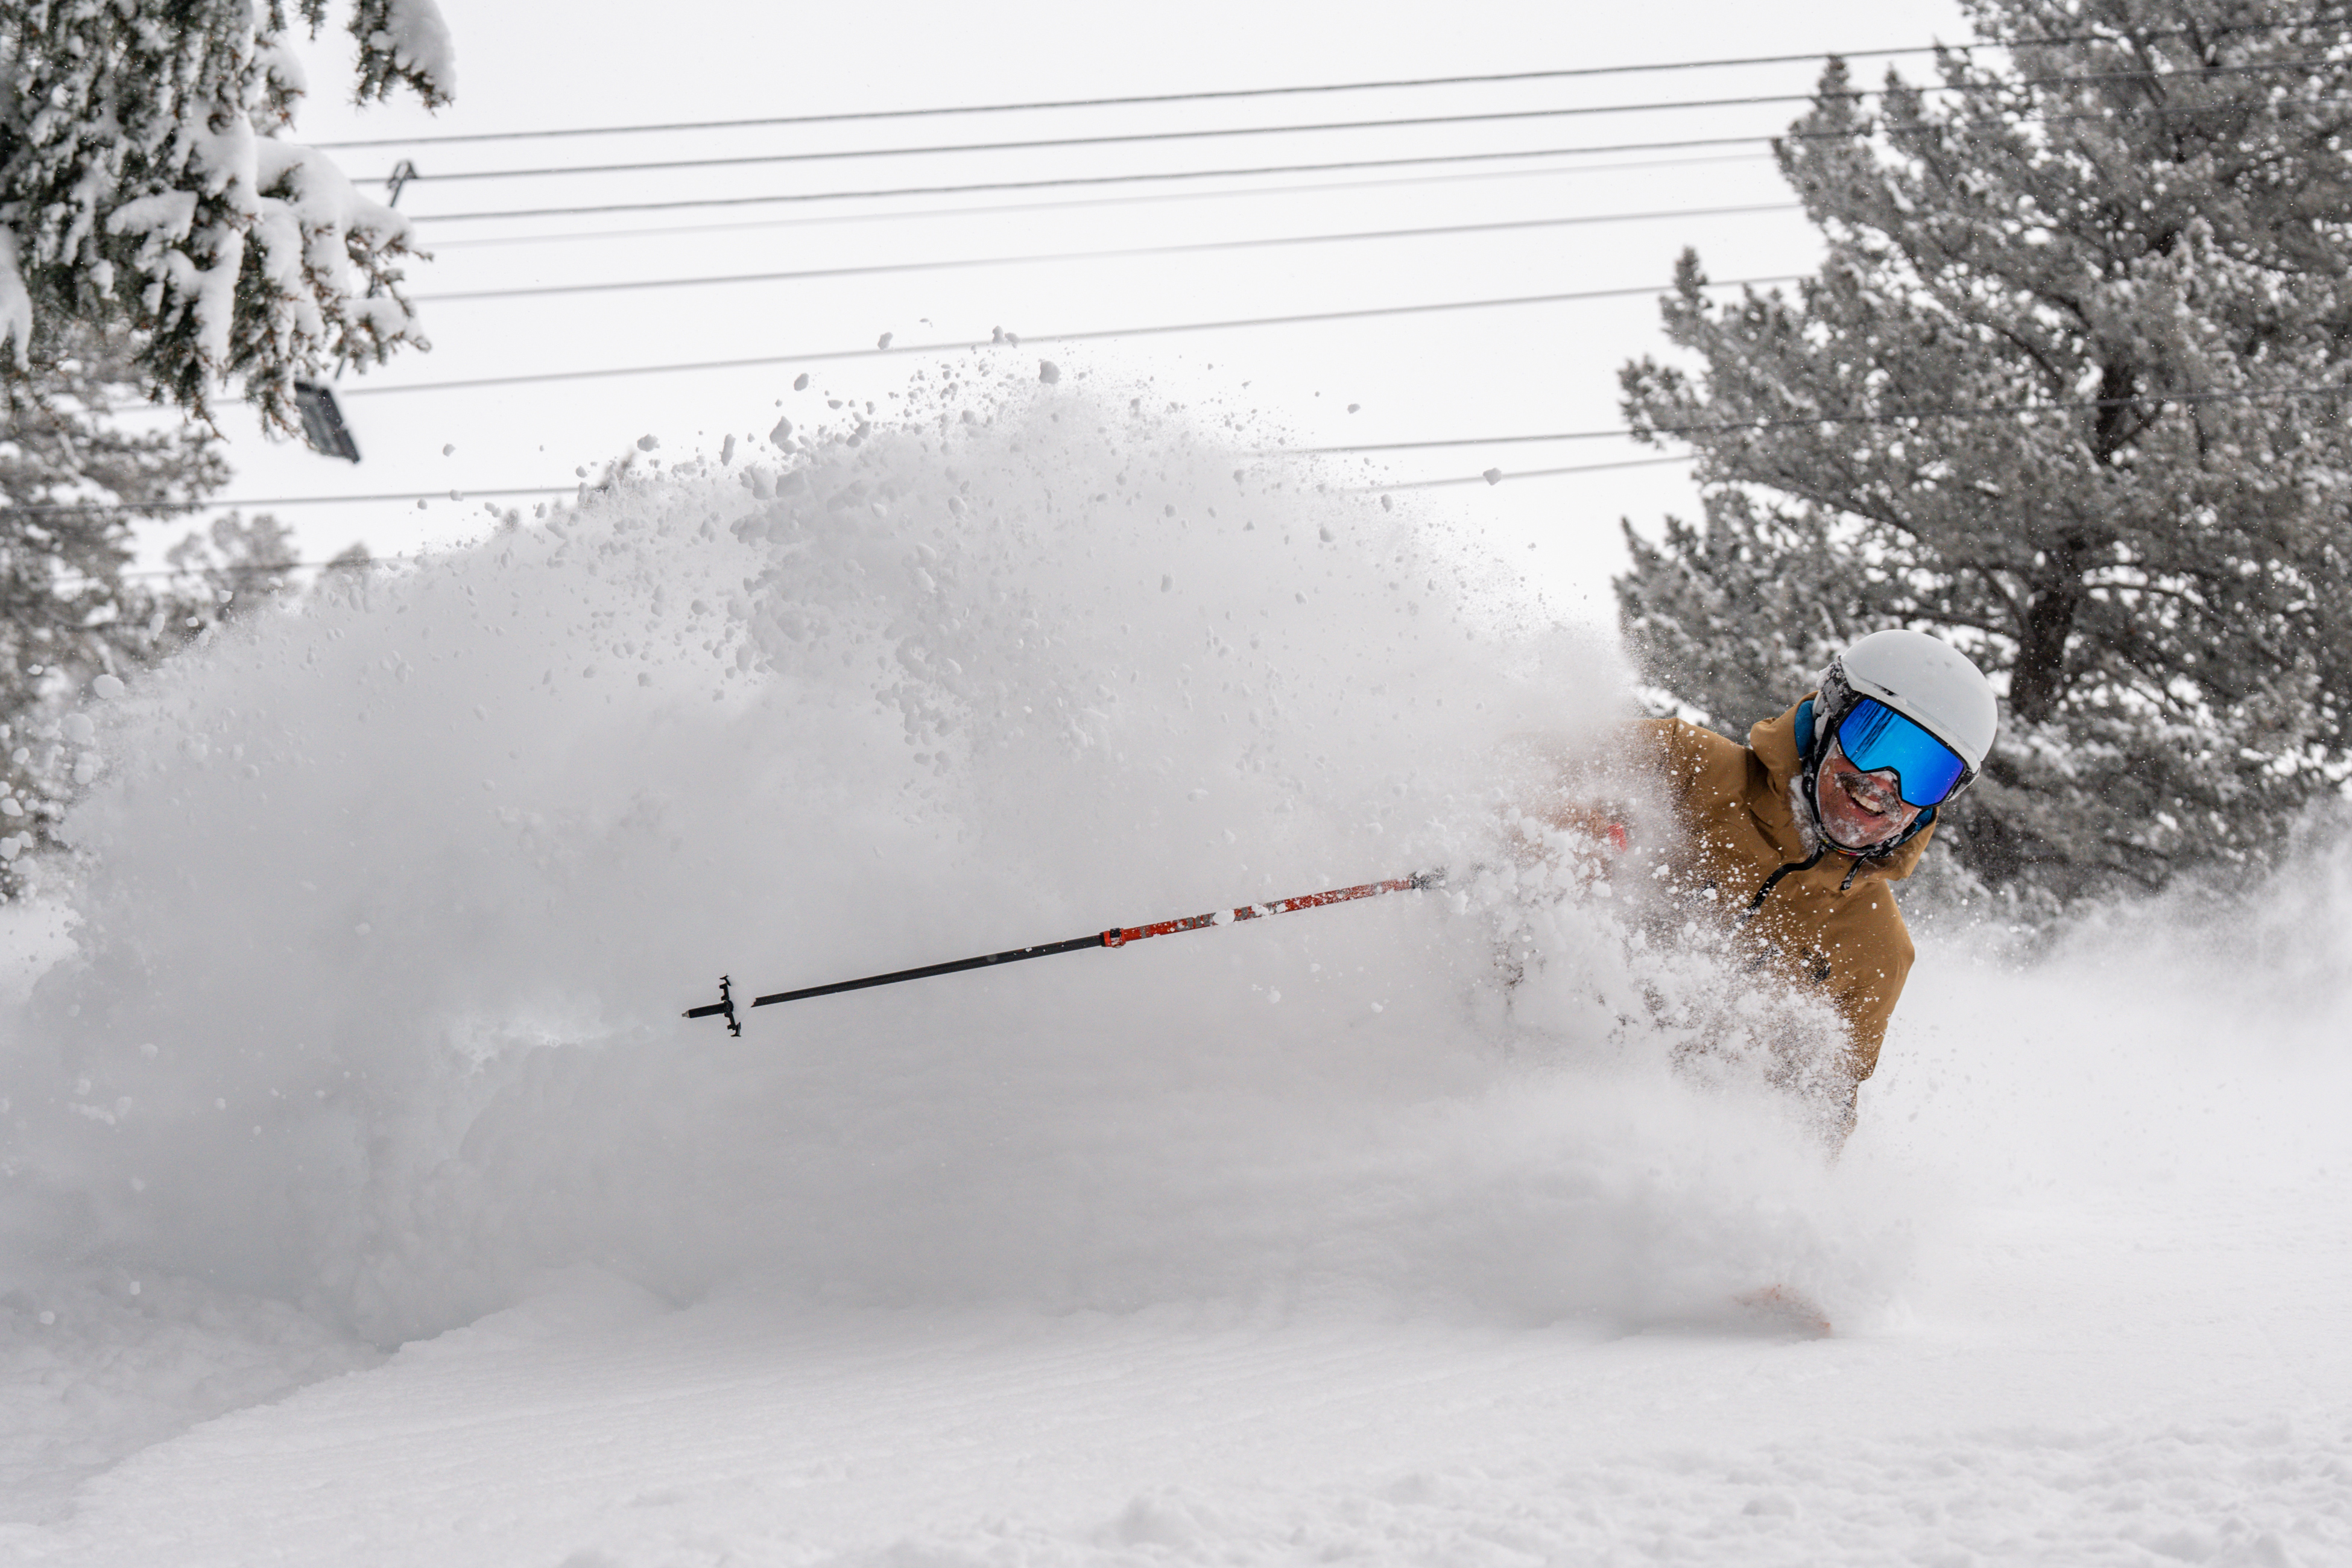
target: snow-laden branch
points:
(146, 185)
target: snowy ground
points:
(2074, 1392)
(2081, 1370)
(366, 1202)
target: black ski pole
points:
(1118, 936)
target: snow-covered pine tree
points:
(2063, 391)
(72, 481)
(146, 187)
(233, 567)
(159, 238)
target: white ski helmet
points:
(1925, 679)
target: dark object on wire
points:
(1118, 936)
(322, 421)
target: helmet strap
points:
(1811, 747)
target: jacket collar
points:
(1774, 743)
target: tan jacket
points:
(1835, 927)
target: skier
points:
(1796, 837)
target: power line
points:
(668, 231)
(1368, 313)
(1131, 100)
(254, 569)
(1230, 94)
(1423, 161)
(1496, 476)
(460, 495)
(1489, 477)
(1085, 181)
(1970, 411)
(1891, 416)
(1306, 318)
(1393, 122)
(1117, 139)
(239, 503)
(1362, 447)
(541, 289)
(1492, 476)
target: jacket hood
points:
(1774, 743)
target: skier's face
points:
(1859, 809)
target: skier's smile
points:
(1859, 809)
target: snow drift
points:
(390, 908)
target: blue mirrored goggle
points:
(1875, 736)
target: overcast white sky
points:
(1470, 373)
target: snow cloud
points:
(393, 906)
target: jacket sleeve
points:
(1599, 797)
(1865, 987)
(1673, 752)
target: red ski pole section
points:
(1120, 936)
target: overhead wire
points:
(1195, 247)
(1295, 90)
(1300, 317)
(241, 503)
(759, 361)
(886, 268)
(1490, 78)
(1887, 416)
(1952, 412)
(461, 496)
(1076, 182)
(237, 504)
(995, 208)
(1496, 475)
(1358, 447)
(1392, 122)
(1481, 478)
(1109, 139)
(1425, 160)
(1492, 476)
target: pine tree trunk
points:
(2038, 679)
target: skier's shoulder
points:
(1686, 755)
